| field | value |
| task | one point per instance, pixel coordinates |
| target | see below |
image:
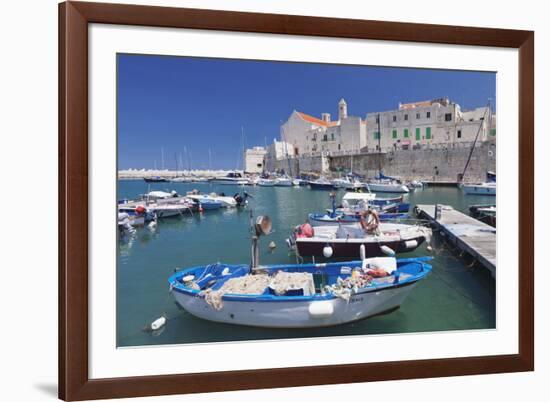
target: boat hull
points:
(387, 188)
(316, 220)
(473, 189)
(296, 314)
(321, 186)
(344, 248)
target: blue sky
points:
(193, 106)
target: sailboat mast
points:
(379, 146)
(475, 140)
(162, 158)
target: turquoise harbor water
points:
(454, 297)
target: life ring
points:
(490, 153)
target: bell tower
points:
(342, 109)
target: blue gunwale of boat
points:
(177, 286)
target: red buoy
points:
(140, 209)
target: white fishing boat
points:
(286, 296)
(488, 188)
(182, 179)
(266, 182)
(321, 184)
(386, 186)
(234, 178)
(344, 241)
(226, 201)
(283, 182)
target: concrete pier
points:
(468, 234)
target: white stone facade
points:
(278, 150)
(426, 124)
(312, 136)
(254, 160)
(432, 123)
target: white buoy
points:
(362, 252)
(327, 251)
(388, 251)
(158, 323)
(321, 309)
(411, 244)
(188, 278)
(272, 245)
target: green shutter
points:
(376, 135)
(493, 132)
(418, 134)
(428, 133)
(406, 133)
(394, 134)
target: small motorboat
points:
(208, 205)
(266, 183)
(226, 201)
(182, 179)
(155, 179)
(488, 188)
(401, 206)
(386, 184)
(296, 296)
(283, 182)
(235, 178)
(345, 241)
(321, 184)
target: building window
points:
(417, 134)
(493, 132)
(376, 135)
(418, 115)
(394, 134)
(406, 133)
(314, 138)
(459, 134)
(428, 133)
(325, 137)
(339, 147)
(406, 117)
(394, 118)
(332, 136)
(428, 115)
(448, 117)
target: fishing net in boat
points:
(281, 283)
(248, 284)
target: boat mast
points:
(475, 140)
(379, 146)
(162, 157)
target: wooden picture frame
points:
(74, 382)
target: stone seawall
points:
(435, 164)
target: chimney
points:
(325, 117)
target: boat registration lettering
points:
(356, 299)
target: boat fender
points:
(321, 309)
(362, 252)
(226, 271)
(158, 323)
(388, 251)
(327, 251)
(188, 278)
(272, 245)
(411, 244)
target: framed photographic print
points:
(260, 200)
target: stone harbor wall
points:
(431, 164)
